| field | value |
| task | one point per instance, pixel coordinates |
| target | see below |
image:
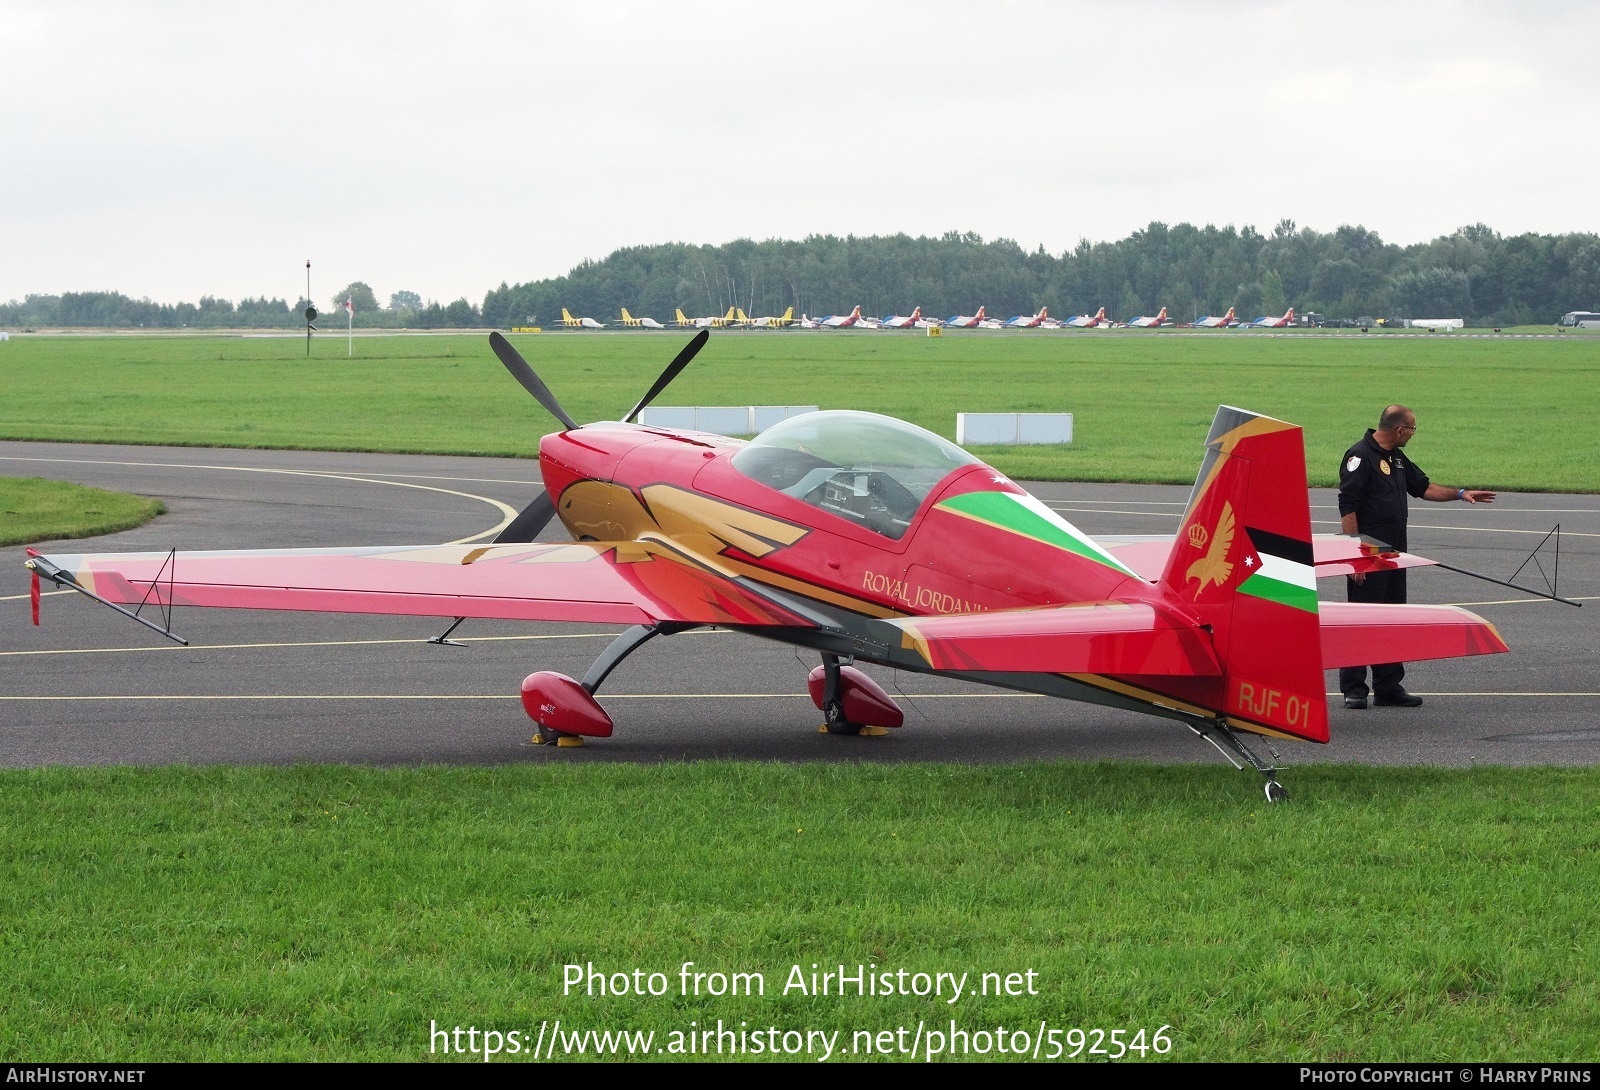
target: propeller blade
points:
(526, 526)
(530, 382)
(678, 364)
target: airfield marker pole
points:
(350, 327)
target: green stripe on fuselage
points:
(1274, 590)
(1005, 511)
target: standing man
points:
(1374, 480)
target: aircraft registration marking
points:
(1263, 702)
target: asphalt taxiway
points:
(89, 687)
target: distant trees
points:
(1433, 293)
(1472, 273)
(360, 296)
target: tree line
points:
(1473, 273)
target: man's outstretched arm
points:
(1439, 493)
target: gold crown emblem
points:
(1198, 536)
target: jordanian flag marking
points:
(1284, 574)
(1023, 514)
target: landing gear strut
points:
(850, 701)
(1231, 746)
(833, 720)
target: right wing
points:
(627, 582)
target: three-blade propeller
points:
(536, 516)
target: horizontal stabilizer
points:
(1360, 633)
(1089, 638)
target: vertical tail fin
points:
(1100, 315)
(788, 315)
(1243, 563)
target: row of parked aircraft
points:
(737, 319)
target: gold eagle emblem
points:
(1215, 567)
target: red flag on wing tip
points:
(33, 595)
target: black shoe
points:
(1397, 699)
(1355, 703)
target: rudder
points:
(1243, 563)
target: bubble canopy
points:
(873, 470)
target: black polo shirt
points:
(1374, 483)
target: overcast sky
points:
(170, 149)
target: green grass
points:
(332, 912)
(33, 509)
(1494, 413)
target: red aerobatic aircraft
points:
(865, 538)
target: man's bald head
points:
(1393, 417)
(1395, 427)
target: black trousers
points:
(1388, 587)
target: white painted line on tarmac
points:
(1515, 601)
(459, 480)
(1114, 511)
(506, 510)
(42, 594)
(1472, 529)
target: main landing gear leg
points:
(620, 648)
(833, 717)
(833, 720)
(1231, 746)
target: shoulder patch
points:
(1351, 463)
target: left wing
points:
(628, 582)
(1334, 554)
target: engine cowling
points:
(862, 700)
(556, 701)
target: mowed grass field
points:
(34, 509)
(1502, 413)
(336, 913)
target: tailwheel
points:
(1276, 792)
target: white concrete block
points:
(1013, 429)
